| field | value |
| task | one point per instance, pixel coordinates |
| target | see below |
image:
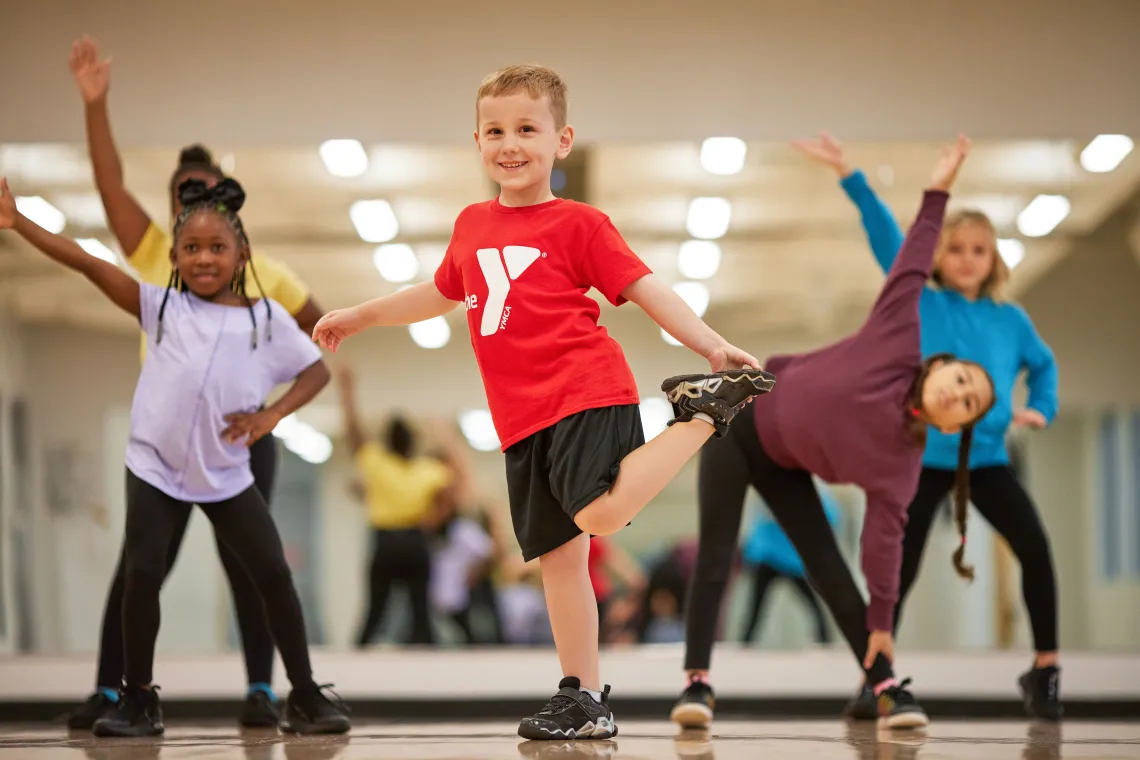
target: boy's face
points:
(518, 141)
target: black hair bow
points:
(227, 193)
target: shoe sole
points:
(693, 385)
(538, 734)
(905, 720)
(692, 715)
(1031, 710)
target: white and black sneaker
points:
(720, 395)
(571, 714)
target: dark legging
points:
(762, 577)
(1000, 499)
(256, 639)
(399, 556)
(727, 467)
(244, 525)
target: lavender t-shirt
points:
(205, 368)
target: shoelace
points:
(900, 694)
(335, 700)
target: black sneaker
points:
(863, 706)
(899, 709)
(260, 711)
(309, 711)
(1041, 690)
(571, 714)
(720, 395)
(695, 707)
(97, 706)
(137, 713)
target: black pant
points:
(997, 495)
(256, 639)
(399, 555)
(762, 577)
(727, 467)
(245, 526)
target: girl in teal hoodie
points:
(961, 312)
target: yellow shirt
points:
(398, 492)
(152, 261)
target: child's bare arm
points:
(415, 304)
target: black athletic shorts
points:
(555, 473)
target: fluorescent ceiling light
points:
(1011, 250)
(41, 212)
(97, 249)
(479, 429)
(708, 218)
(83, 209)
(698, 259)
(375, 221)
(695, 294)
(723, 155)
(431, 333)
(344, 158)
(1042, 215)
(1105, 152)
(396, 262)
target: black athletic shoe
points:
(1041, 690)
(97, 706)
(863, 706)
(137, 713)
(260, 711)
(309, 711)
(720, 395)
(899, 709)
(695, 707)
(571, 714)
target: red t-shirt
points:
(523, 274)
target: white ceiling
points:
(794, 253)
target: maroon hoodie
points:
(839, 412)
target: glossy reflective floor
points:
(823, 740)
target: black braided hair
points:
(224, 199)
(193, 158)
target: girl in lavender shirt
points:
(857, 412)
(210, 362)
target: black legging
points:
(257, 642)
(244, 525)
(727, 466)
(399, 555)
(999, 498)
(762, 577)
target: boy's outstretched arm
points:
(414, 304)
(670, 311)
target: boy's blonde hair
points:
(999, 272)
(531, 78)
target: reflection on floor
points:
(823, 740)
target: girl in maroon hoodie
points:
(854, 412)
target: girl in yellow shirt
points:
(148, 249)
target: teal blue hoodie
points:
(998, 336)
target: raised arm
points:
(879, 224)
(113, 281)
(911, 270)
(127, 219)
(346, 382)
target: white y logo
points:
(518, 258)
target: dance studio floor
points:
(822, 740)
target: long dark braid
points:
(225, 199)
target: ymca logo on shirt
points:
(518, 259)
